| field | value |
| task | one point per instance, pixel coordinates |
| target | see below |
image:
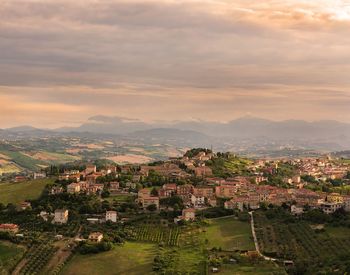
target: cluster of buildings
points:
(61, 216)
(85, 181)
(323, 168)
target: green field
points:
(339, 232)
(131, 258)
(18, 192)
(229, 234)
(23, 160)
(10, 254)
(120, 198)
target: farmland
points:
(17, 192)
(155, 234)
(8, 167)
(23, 160)
(229, 234)
(297, 241)
(10, 254)
(131, 258)
(36, 258)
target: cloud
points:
(213, 59)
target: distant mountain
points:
(108, 125)
(245, 132)
(172, 136)
(24, 128)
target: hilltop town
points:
(94, 207)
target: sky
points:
(62, 62)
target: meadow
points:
(18, 192)
(131, 258)
(229, 234)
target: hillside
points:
(18, 192)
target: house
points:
(44, 215)
(20, 178)
(296, 210)
(111, 216)
(184, 190)
(114, 186)
(236, 203)
(225, 191)
(61, 216)
(197, 201)
(188, 214)
(203, 171)
(39, 175)
(24, 205)
(94, 188)
(147, 201)
(215, 181)
(335, 197)
(95, 237)
(167, 190)
(73, 188)
(347, 204)
(56, 190)
(74, 177)
(203, 191)
(212, 201)
(330, 207)
(170, 186)
(143, 193)
(111, 169)
(90, 169)
(91, 179)
(165, 193)
(9, 227)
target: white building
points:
(61, 216)
(111, 216)
(331, 207)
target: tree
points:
(105, 194)
(152, 207)
(154, 192)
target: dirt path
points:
(256, 239)
(19, 266)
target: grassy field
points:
(18, 192)
(131, 258)
(340, 232)
(229, 234)
(10, 254)
(120, 198)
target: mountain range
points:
(324, 135)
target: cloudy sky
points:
(216, 60)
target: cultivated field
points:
(18, 192)
(130, 158)
(54, 158)
(299, 242)
(133, 258)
